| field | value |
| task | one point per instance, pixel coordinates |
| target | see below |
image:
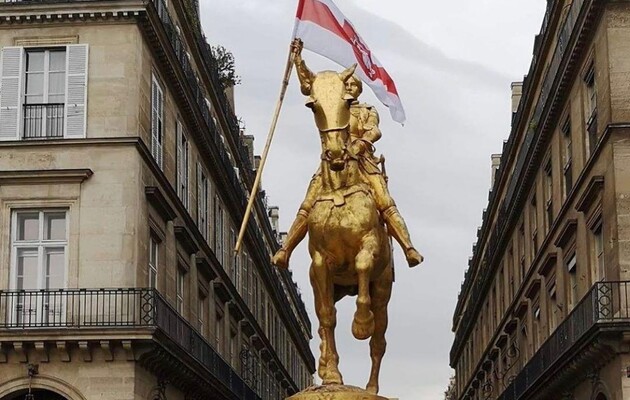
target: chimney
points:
(257, 160)
(496, 162)
(229, 93)
(274, 217)
(517, 92)
(248, 140)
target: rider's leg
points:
(299, 228)
(394, 221)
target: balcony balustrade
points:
(606, 307)
(114, 309)
(43, 121)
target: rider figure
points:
(364, 131)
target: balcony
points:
(43, 121)
(575, 346)
(114, 309)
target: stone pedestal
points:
(335, 392)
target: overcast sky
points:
(453, 62)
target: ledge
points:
(157, 200)
(43, 176)
(590, 194)
(185, 238)
(567, 232)
(548, 263)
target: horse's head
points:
(330, 102)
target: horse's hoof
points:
(413, 257)
(281, 259)
(363, 329)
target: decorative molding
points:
(521, 309)
(185, 238)
(533, 289)
(548, 264)
(160, 203)
(590, 194)
(46, 41)
(566, 234)
(205, 268)
(221, 290)
(44, 176)
(235, 311)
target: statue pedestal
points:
(335, 392)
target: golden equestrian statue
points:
(349, 216)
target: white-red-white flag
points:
(326, 31)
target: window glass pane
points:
(34, 84)
(55, 226)
(57, 61)
(27, 269)
(35, 61)
(55, 265)
(56, 84)
(28, 226)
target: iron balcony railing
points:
(607, 303)
(115, 308)
(42, 121)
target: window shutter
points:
(199, 198)
(180, 163)
(10, 90)
(76, 91)
(157, 120)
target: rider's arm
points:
(304, 75)
(372, 132)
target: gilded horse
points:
(348, 242)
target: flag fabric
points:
(324, 29)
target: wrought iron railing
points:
(606, 303)
(115, 308)
(42, 121)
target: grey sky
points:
(453, 63)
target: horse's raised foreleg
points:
(363, 323)
(381, 290)
(321, 280)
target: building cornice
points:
(44, 176)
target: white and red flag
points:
(326, 31)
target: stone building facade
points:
(544, 311)
(123, 180)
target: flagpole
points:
(263, 159)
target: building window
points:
(521, 250)
(591, 108)
(567, 158)
(44, 92)
(536, 319)
(202, 201)
(154, 251)
(157, 121)
(548, 196)
(39, 244)
(180, 289)
(552, 313)
(183, 165)
(571, 264)
(201, 311)
(533, 224)
(218, 232)
(598, 251)
(219, 328)
(39, 248)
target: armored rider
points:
(364, 131)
